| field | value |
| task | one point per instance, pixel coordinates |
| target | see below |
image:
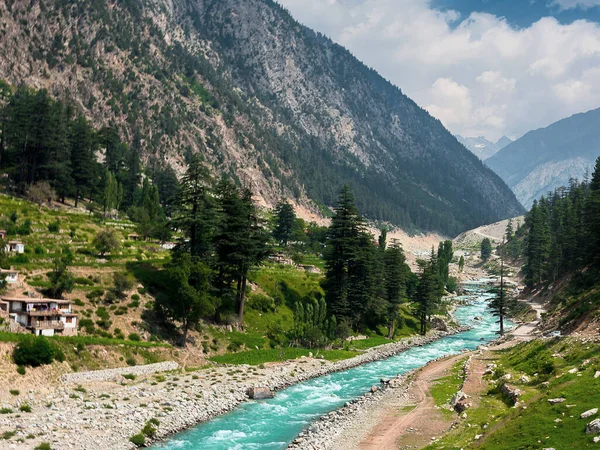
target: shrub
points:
(6, 411)
(262, 303)
(84, 281)
(134, 337)
(21, 370)
(25, 408)
(14, 392)
(123, 283)
(78, 302)
(38, 250)
(7, 435)
(35, 351)
(54, 227)
(130, 361)
(135, 297)
(106, 241)
(129, 376)
(43, 446)
(149, 430)
(138, 439)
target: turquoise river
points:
(273, 424)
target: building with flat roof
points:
(40, 316)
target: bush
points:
(123, 283)
(149, 430)
(138, 439)
(135, 298)
(134, 337)
(130, 361)
(35, 351)
(25, 408)
(38, 250)
(21, 370)
(129, 376)
(261, 303)
(84, 281)
(14, 392)
(6, 411)
(107, 241)
(78, 302)
(43, 446)
(54, 227)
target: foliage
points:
(106, 241)
(486, 249)
(35, 351)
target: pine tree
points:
(196, 211)
(486, 249)
(83, 163)
(593, 216)
(285, 222)
(396, 277)
(502, 302)
(429, 291)
(461, 263)
(343, 244)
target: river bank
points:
(105, 414)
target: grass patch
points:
(444, 388)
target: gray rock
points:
(554, 401)
(589, 413)
(593, 427)
(260, 393)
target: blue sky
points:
(483, 67)
(522, 13)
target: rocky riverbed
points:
(104, 412)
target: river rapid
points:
(273, 424)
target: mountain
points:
(503, 142)
(479, 146)
(264, 99)
(548, 158)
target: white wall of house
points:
(45, 332)
(70, 321)
(16, 306)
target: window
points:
(69, 320)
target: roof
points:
(15, 242)
(35, 300)
(9, 271)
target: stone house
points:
(40, 316)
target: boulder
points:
(459, 396)
(511, 392)
(461, 406)
(593, 427)
(374, 388)
(437, 323)
(589, 413)
(260, 393)
(554, 401)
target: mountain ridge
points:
(261, 97)
(549, 157)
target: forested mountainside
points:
(262, 98)
(481, 147)
(548, 158)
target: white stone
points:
(589, 413)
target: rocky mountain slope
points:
(264, 99)
(548, 158)
(481, 147)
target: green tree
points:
(196, 212)
(502, 301)
(486, 249)
(444, 258)
(285, 222)
(593, 216)
(396, 276)
(429, 291)
(240, 241)
(343, 255)
(461, 263)
(106, 241)
(61, 280)
(188, 299)
(83, 163)
(113, 193)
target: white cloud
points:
(477, 74)
(572, 4)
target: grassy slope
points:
(143, 259)
(533, 424)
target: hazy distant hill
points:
(481, 147)
(547, 158)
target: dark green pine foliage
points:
(486, 249)
(396, 273)
(188, 298)
(83, 162)
(342, 256)
(537, 251)
(240, 241)
(285, 222)
(429, 291)
(593, 215)
(444, 258)
(503, 301)
(196, 211)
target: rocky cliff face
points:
(548, 158)
(263, 98)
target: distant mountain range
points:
(548, 158)
(481, 147)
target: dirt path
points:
(414, 428)
(408, 418)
